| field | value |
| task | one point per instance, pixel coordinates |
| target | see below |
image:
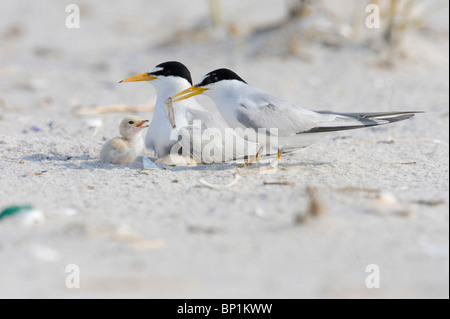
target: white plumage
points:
(189, 116)
(247, 107)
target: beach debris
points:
(138, 242)
(11, 210)
(433, 250)
(32, 217)
(279, 183)
(38, 173)
(46, 102)
(437, 202)
(12, 31)
(124, 233)
(148, 164)
(207, 230)
(260, 212)
(405, 140)
(36, 128)
(27, 214)
(215, 11)
(388, 199)
(383, 202)
(94, 124)
(315, 208)
(387, 203)
(51, 125)
(176, 160)
(47, 52)
(351, 189)
(45, 254)
(112, 108)
(236, 179)
(150, 244)
(387, 141)
(66, 212)
(22, 161)
(398, 163)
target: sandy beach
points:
(382, 193)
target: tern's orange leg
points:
(274, 163)
(256, 157)
(280, 152)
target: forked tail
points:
(350, 121)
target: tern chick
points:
(125, 149)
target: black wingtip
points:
(398, 118)
(366, 119)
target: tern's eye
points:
(131, 122)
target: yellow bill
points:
(192, 91)
(139, 77)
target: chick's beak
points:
(192, 91)
(141, 124)
(139, 77)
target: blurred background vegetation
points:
(329, 23)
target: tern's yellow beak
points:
(192, 91)
(140, 77)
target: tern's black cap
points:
(172, 68)
(219, 75)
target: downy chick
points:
(126, 148)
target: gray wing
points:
(265, 111)
(261, 110)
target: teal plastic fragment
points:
(11, 210)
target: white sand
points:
(161, 234)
